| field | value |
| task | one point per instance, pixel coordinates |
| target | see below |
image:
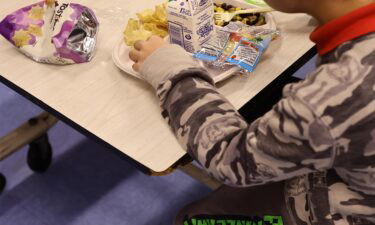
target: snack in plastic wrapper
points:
(247, 52)
(242, 48)
(51, 32)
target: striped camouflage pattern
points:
(321, 136)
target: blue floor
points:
(87, 184)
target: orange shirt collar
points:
(355, 24)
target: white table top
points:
(124, 111)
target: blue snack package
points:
(243, 49)
(248, 52)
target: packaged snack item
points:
(51, 32)
(212, 49)
(190, 23)
(243, 48)
(247, 52)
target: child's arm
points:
(289, 140)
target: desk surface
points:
(119, 109)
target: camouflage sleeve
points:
(287, 141)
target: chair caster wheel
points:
(3, 182)
(39, 156)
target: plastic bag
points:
(242, 48)
(61, 33)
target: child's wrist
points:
(166, 62)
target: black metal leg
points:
(39, 156)
(3, 182)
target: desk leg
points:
(200, 175)
(185, 165)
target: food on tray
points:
(154, 22)
(150, 22)
(51, 32)
(251, 19)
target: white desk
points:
(118, 109)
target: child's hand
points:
(143, 49)
(157, 61)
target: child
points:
(320, 136)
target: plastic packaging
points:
(242, 48)
(61, 33)
(247, 52)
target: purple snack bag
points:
(61, 34)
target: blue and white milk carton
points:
(190, 23)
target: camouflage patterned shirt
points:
(320, 137)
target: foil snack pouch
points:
(243, 48)
(61, 33)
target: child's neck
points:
(332, 9)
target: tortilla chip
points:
(156, 30)
(135, 31)
(150, 22)
(146, 16)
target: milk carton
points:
(190, 22)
